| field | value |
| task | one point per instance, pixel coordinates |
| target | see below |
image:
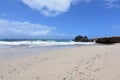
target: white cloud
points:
(108, 3)
(56, 7)
(112, 3)
(24, 29)
(3, 14)
(50, 7)
(116, 27)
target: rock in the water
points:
(81, 39)
(108, 40)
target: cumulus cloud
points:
(56, 7)
(50, 7)
(24, 29)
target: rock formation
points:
(108, 40)
(80, 38)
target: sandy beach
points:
(100, 62)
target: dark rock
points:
(108, 40)
(81, 39)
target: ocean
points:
(10, 48)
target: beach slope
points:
(100, 62)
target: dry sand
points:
(100, 62)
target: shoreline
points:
(78, 63)
(35, 51)
(22, 51)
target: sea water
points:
(23, 47)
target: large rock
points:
(80, 38)
(108, 40)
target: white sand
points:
(82, 63)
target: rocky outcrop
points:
(108, 40)
(80, 38)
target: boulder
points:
(108, 40)
(80, 38)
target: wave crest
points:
(43, 43)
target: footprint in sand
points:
(93, 58)
(18, 72)
(29, 65)
(9, 65)
(15, 69)
(97, 70)
(36, 58)
(2, 77)
(81, 73)
(10, 72)
(37, 78)
(64, 78)
(98, 56)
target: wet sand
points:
(100, 62)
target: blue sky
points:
(59, 18)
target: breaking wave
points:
(43, 43)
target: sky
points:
(59, 19)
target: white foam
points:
(42, 43)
